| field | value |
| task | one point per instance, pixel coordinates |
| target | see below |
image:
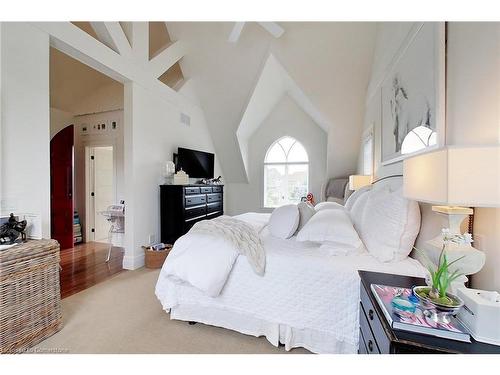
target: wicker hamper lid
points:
(31, 248)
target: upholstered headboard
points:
(336, 190)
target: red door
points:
(61, 187)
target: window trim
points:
(286, 164)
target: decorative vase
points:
(437, 312)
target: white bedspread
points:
(307, 297)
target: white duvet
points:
(205, 256)
(307, 297)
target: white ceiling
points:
(273, 84)
(71, 81)
(329, 64)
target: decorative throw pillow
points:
(327, 206)
(306, 211)
(357, 209)
(390, 225)
(332, 226)
(354, 197)
(284, 221)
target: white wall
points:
(59, 119)
(473, 117)
(287, 118)
(152, 134)
(25, 122)
(473, 81)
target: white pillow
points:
(354, 196)
(306, 212)
(390, 225)
(337, 249)
(330, 225)
(328, 205)
(356, 212)
(284, 221)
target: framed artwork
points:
(413, 95)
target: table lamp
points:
(357, 181)
(455, 178)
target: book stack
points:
(77, 228)
(415, 319)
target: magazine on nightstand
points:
(415, 321)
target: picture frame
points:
(413, 94)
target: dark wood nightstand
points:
(377, 337)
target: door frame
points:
(89, 202)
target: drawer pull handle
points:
(370, 345)
(370, 314)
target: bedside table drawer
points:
(374, 322)
(366, 335)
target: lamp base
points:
(455, 215)
(472, 263)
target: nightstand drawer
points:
(374, 322)
(366, 334)
(362, 344)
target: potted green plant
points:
(436, 298)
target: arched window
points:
(286, 173)
(418, 138)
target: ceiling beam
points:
(140, 41)
(166, 58)
(119, 39)
(79, 45)
(103, 35)
(273, 28)
(236, 32)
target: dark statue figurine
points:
(11, 230)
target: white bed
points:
(306, 298)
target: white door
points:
(101, 189)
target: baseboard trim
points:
(133, 262)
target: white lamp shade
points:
(357, 181)
(462, 176)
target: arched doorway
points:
(61, 187)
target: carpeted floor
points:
(122, 315)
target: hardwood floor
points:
(85, 265)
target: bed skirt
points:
(313, 340)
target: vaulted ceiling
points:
(329, 63)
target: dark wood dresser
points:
(183, 205)
(377, 337)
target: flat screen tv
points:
(196, 164)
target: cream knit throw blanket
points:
(241, 235)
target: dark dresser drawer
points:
(217, 189)
(196, 200)
(373, 320)
(206, 189)
(214, 207)
(366, 334)
(214, 197)
(191, 190)
(196, 211)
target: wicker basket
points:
(155, 259)
(30, 298)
